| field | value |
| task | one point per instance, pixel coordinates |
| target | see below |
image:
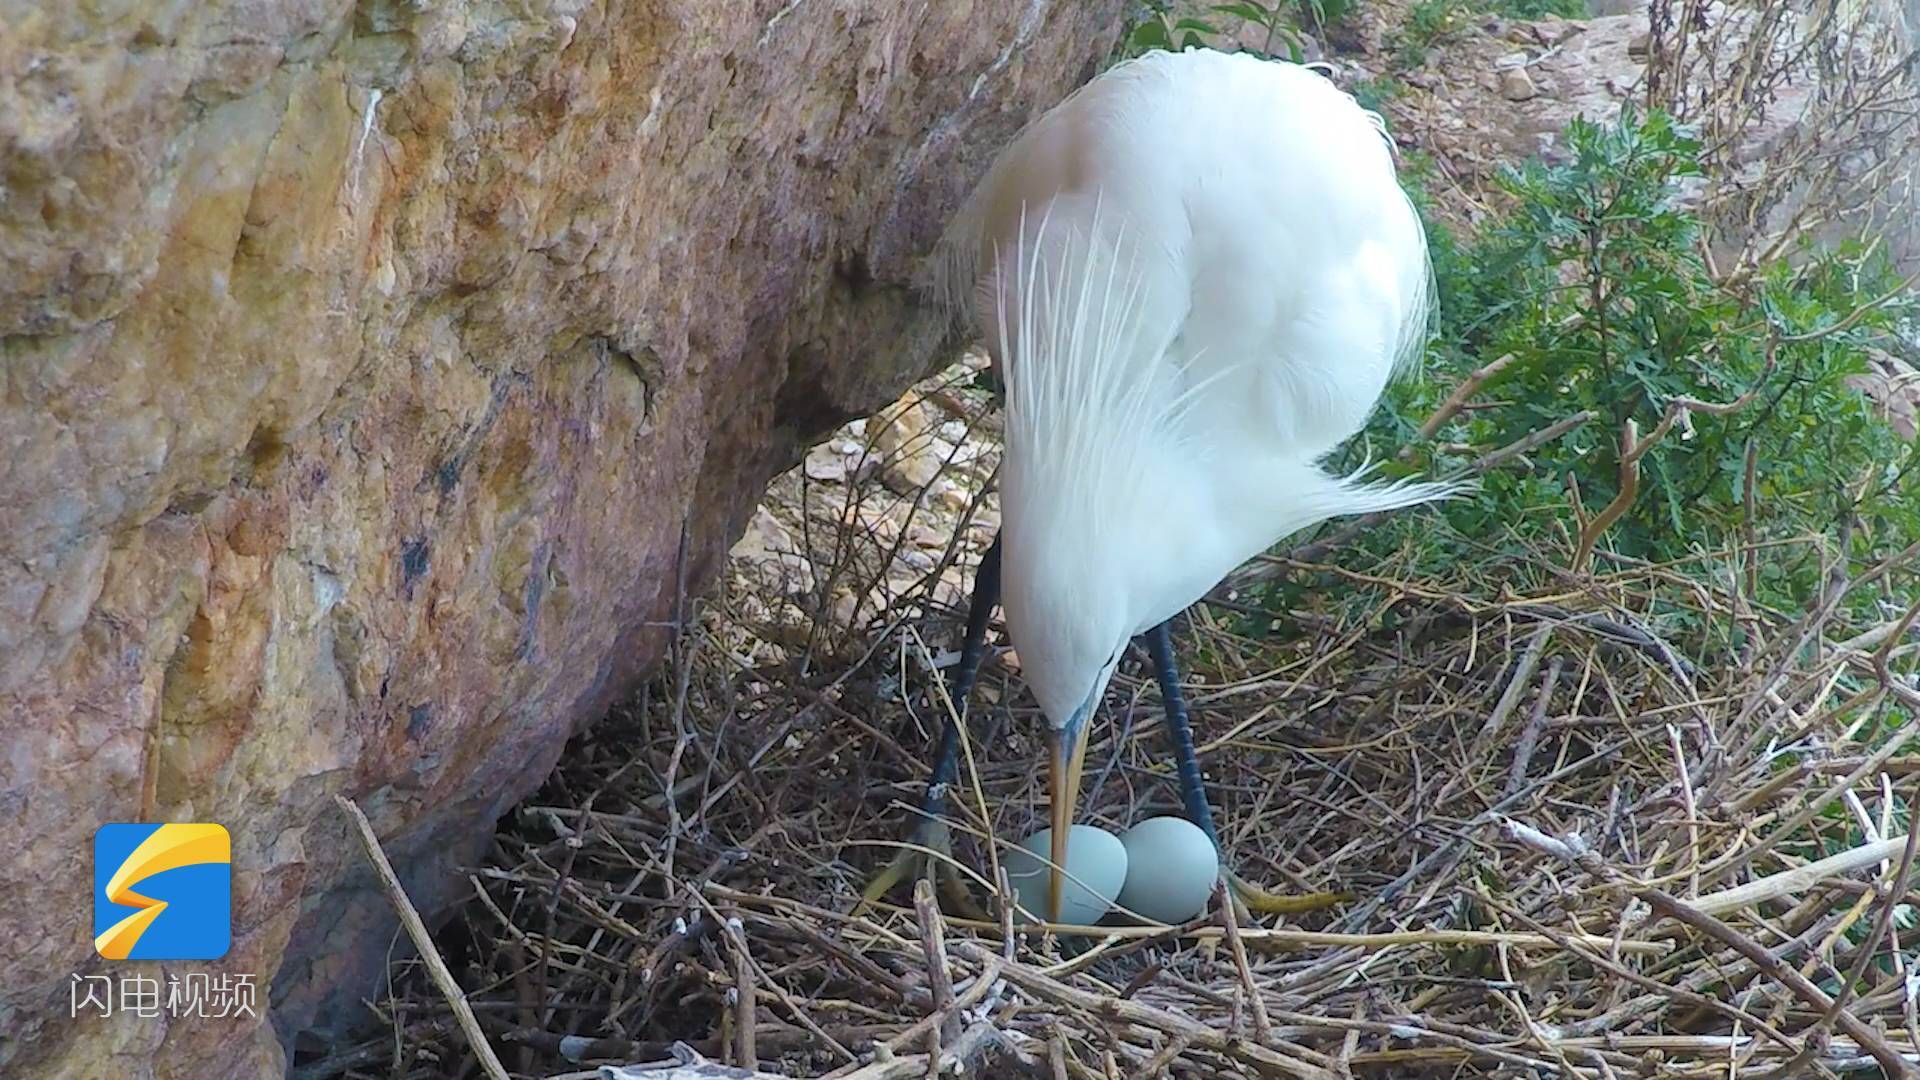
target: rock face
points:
(374, 373)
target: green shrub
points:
(1373, 94)
(1535, 9)
(1166, 24)
(1429, 22)
(1594, 285)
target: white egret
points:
(1196, 275)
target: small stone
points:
(1554, 30)
(1517, 85)
(882, 523)
(828, 465)
(768, 556)
(846, 607)
(911, 474)
(950, 497)
(1641, 45)
(953, 585)
(910, 456)
(898, 429)
(960, 453)
(795, 573)
(765, 534)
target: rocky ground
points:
(883, 520)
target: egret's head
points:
(1068, 617)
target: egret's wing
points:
(1308, 265)
(1279, 264)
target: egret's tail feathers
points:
(1372, 498)
(1316, 496)
(1395, 494)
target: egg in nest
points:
(1171, 869)
(1096, 869)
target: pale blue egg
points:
(1096, 867)
(1172, 869)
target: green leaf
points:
(1150, 35)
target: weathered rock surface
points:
(364, 366)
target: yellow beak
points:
(1069, 747)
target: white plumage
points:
(1196, 276)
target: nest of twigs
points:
(1576, 847)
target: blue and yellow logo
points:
(184, 909)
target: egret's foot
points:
(928, 852)
(1262, 902)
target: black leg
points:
(946, 761)
(929, 831)
(1192, 792)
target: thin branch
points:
(422, 940)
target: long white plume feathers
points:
(1091, 394)
(1084, 387)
